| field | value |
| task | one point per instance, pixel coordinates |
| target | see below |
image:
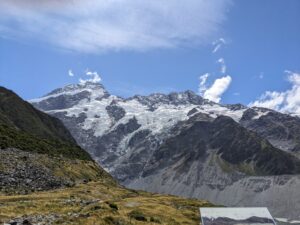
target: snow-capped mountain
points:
(107, 125)
(183, 144)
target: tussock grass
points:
(103, 202)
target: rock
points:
(24, 177)
(35, 219)
(26, 222)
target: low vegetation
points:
(26, 128)
(13, 138)
(102, 202)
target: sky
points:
(226, 51)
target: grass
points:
(103, 202)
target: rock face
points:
(185, 145)
(240, 149)
(282, 130)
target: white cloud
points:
(90, 73)
(95, 78)
(286, 101)
(218, 44)
(70, 73)
(202, 85)
(220, 85)
(223, 65)
(216, 90)
(95, 26)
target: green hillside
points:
(24, 127)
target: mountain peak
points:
(77, 91)
(173, 98)
(71, 95)
(78, 87)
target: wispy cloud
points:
(202, 84)
(220, 85)
(286, 101)
(94, 26)
(223, 65)
(218, 44)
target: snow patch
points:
(260, 113)
(215, 110)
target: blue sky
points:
(140, 48)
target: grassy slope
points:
(18, 113)
(103, 202)
(13, 138)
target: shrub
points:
(113, 205)
(114, 221)
(137, 215)
(155, 220)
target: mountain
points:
(282, 130)
(223, 139)
(185, 145)
(37, 152)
